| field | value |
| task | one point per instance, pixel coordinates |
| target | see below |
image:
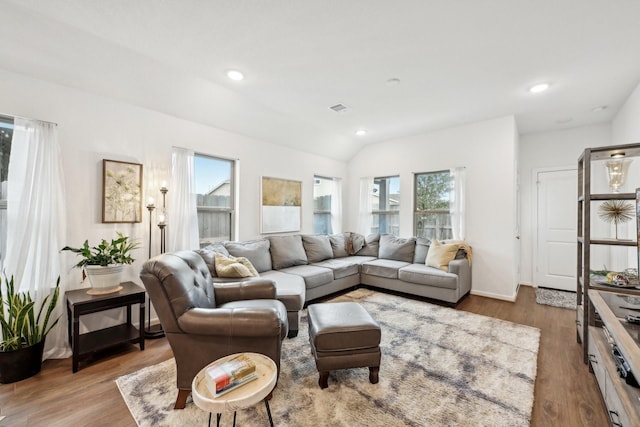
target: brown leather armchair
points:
(204, 322)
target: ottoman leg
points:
(323, 380)
(373, 374)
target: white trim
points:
(511, 298)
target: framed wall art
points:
(121, 191)
(281, 205)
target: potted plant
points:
(23, 331)
(104, 263)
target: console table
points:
(80, 303)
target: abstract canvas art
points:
(281, 205)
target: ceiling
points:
(457, 62)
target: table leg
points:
(75, 344)
(141, 322)
(266, 403)
(218, 416)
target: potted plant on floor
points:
(23, 332)
(104, 263)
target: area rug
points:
(556, 298)
(439, 367)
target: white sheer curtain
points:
(457, 206)
(336, 206)
(365, 217)
(36, 220)
(182, 218)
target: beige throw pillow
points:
(234, 267)
(439, 255)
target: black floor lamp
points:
(153, 331)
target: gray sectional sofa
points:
(308, 267)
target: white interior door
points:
(556, 225)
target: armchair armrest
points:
(250, 289)
(230, 322)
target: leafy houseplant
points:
(118, 251)
(23, 331)
(104, 263)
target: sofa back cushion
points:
(208, 254)
(287, 251)
(317, 248)
(396, 248)
(256, 251)
(371, 246)
(422, 248)
(338, 245)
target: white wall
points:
(548, 150)
(487, 149)
(92, 128)
(625, 127)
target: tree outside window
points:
(432, 219)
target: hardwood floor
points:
(566, 394)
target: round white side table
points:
(242, 397)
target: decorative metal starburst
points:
(616, 212)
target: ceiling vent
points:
(339, 108)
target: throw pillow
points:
(371, 246)
(318, 248)
(396, 248)
(234, 267)
(440, 255)
(287, 251)
(256, 251)
(422, 249)
(338, 245)
(208, 254)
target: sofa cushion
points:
(371, 246)
(256, 251)
(440, 255)
(396, 248)
(341, 267)
(318, 247)
(287, 251)
(208, 254)
(423, 275)
(422, 248)
(386, 268)
(234, 267)
(313, 275)
(290, 288)
(338, 245)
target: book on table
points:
(231, 374)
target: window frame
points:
(386, 213)
(423, 212)
(324, 213)
(231, 210)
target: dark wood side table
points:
(79, 303)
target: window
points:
(215, 190)
(6, 135)
(385, 205)
(322, 194)
(432, 219)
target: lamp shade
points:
(617, 169)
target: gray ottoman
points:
(343, 335)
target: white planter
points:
(104, 278)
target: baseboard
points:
(495, 296)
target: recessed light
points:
(599, 109)
(235, 75)
(393, 82)
(361, 132)
(564, 120)
(540, 87)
